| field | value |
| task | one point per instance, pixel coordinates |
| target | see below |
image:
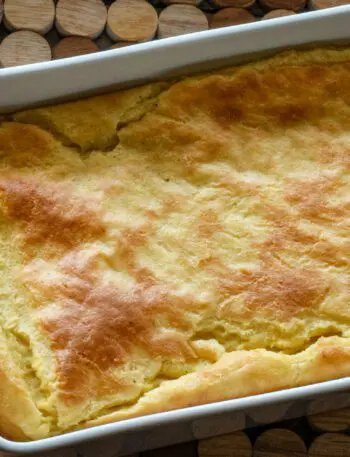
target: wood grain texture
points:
(279, 443)
(24, 47)
(74, 46)
(330, 445)
(85, 18)
(230, 445)
(273, 14)
(333, 421)
(293, 5)
(132, 20)
(230, 16)
(181, 19)
(232, 3)
(35, 15)
(322, 4)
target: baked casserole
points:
(175, 244)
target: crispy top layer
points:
(173, 231)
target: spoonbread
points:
(175, 244)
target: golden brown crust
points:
(243, 373)
(48, 214)
(175, 245)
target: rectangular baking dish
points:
(75, 77)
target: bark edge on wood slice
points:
(330, 445)
(34, 15)
(1, 10)
(86, 18)
(322, 4)
(229, 445)
(22, 48)
(279, 443)
(273, 14)
(132, 20)
(231, 16)
(74, 46)
(293, 5)
(181, 19)
(232, 3)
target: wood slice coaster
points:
(231, 16)
(232, 3)
(278, 13)
(85, 18)
(333, 421)
(74, 46)
(35, 15)
(330, 445)
(132, 20)
(321, 4)
(231, 445)
(180, 19)
(22, 48)
(294, 5)
(279, 443)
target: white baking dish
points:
(68, 78)
(51, 81)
